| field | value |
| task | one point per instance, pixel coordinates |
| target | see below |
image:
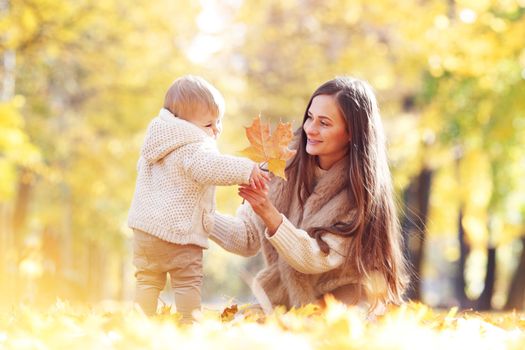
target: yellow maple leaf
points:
(228, 314)
(269, 147)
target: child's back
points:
(177, 170)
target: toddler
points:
(172, 209)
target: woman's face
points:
(326, 131)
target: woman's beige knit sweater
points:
(297, 272)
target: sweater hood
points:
(167, 133)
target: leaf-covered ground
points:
(412, 326)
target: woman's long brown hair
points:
(377, 241)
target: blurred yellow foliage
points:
(81, 80)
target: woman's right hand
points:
(262, 206)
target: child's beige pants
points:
(154, 258)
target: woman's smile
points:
(313, 142)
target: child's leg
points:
(186, 281)
(150, 277)
(148, 287)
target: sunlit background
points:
(80, 80)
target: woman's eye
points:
(208, 126)
(324, 123)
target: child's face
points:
(209, 122)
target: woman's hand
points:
(262, 206)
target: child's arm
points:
(204, 164)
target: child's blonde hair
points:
(191, 94)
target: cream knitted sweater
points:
(242, 235)
(179, 166)
(296, 271)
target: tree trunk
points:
(6, 243)
(7, 72)
(66, 248)
(25, 182)
(417, 198)
(91, 270)
(98, 272)
(460, 283)
(127, 280)
(484, 301)
(8, 62)
(516, 296)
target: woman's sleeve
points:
(302, 251)
(241, 234)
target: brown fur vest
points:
(327, 205)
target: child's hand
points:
(258, 178)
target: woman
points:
(332, 227)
